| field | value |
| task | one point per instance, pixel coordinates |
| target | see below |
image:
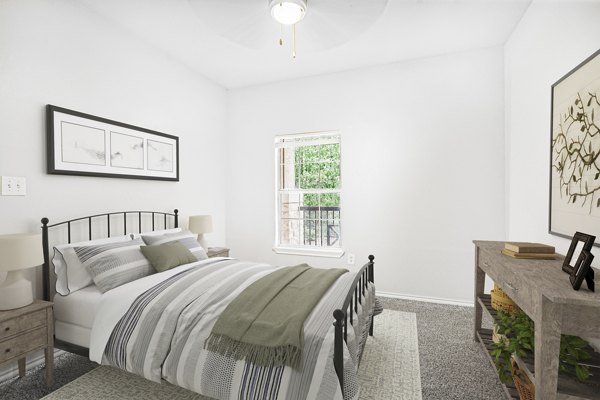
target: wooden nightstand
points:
(217, 252)
(25, 330)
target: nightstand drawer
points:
(23, 344)
(22, 323)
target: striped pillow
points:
(187, 238)
(116, 264)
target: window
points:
(308, 194)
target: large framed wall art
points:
(83, 144)
(575, 151)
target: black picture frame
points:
(583, 270)
(149, 154)
(570, 199)
(588, 242)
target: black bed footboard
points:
(347, 311)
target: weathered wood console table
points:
(542, 290)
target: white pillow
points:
(70, 273)
(156, 233)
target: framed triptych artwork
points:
(83, 144)
(575, 151)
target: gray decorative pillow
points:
(168, 255)
(88, 254)
(114, 265)
(187, 238)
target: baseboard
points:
(11, 370)
(426, 299)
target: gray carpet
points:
(452, 365)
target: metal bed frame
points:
(349, 308)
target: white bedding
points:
(118, 300)
(165, 353)
(78, 308)
(74, 315)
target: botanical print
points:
(576, 152)
(160, 156)
(126, 151)
(82, 144)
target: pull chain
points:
(294, 50)
(281, 35)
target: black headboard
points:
(94, 220)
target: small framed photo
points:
(581, 242)
(581, 270)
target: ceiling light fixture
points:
(288, 12)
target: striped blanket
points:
(156, 327)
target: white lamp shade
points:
(200, 224)
(20, 251)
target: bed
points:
(92, 322)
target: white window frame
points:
(305, 250)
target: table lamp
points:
(201, 224)
(18, 252)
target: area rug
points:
(389, 370)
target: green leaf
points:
(582, 372)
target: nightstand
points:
(217, 252)
(25, 330)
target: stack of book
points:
(535, 251)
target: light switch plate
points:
(14, 186)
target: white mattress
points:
(74, 315)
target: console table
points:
(543, 291)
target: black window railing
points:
(321, 226)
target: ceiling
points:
(405, 30)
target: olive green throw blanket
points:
(264, 324)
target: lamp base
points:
(15, 291)
(202, 241)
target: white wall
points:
(58, 52)
(551, 39)
(422, 166)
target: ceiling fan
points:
(321, 24)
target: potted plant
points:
(519, 330)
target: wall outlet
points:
(14, 186)
(351, 259)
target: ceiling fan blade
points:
(245, 22)
(328, 23)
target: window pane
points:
(291, 231)
(307, 176)
(330, 200)
(287, 176)
(330, 152)
(329, 175)
(289, 205)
